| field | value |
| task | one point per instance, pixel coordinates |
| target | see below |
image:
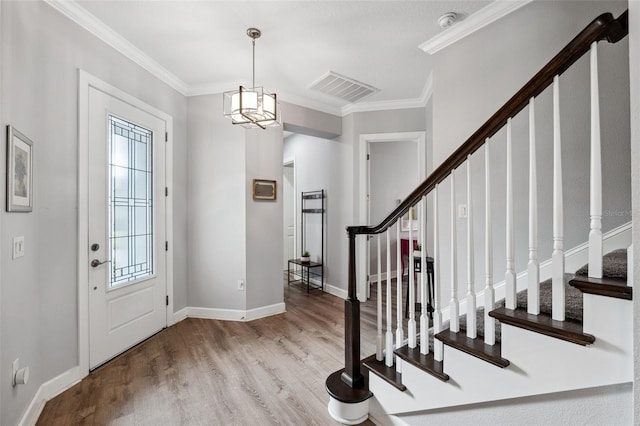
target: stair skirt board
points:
(567, 367)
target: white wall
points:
(41, 53)
(324, 164)
(476, 75)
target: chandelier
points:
(252, 107)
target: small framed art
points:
(19, 171)
(264, 189)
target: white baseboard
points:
(374, 278)
(336, 291)
(179, 316)
(574, 259)
(234, 314)
(48, 390)
(265, 311)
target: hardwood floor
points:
(209, 372)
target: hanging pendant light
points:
(252, 107)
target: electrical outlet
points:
(462, 211)
(240, 285)
(18, 247)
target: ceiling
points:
(204, 46)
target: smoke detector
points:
(447, 19)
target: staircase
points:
(571, 331)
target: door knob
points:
(95, 262)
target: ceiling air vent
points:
(343, 87)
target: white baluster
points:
(389, 336)
(454, 321)
(424, 318)
(510, 275)
(438, 346)
(557, 257)
(489, 292)
(472, 329)
(399, 330)
(379, 303)
(533, 267)
(411, 324)
(595, 234)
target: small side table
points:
(299, 272)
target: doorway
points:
(414, 158)
(124, 215)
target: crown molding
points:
(88, 21)
(420, 102)
(473, 23)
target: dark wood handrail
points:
(604, 27)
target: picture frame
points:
(264, 189)
(19, 171)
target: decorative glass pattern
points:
(130, 202)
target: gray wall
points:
(324, 164)
(41, 54)
(476, 75)
(216, 205)
(393, 175)
(231, 237)
(264, 219)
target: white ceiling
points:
(204, 45)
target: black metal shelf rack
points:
(299, 272)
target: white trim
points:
(473, 23)
(85, 81)
(374, 277)
(365, 139)
(95, 26)
(420, 102)
(336, 291)
(235, 314)
(47, 391)
(575, 258)
(182, 314)
(265, 311)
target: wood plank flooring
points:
(208, 372)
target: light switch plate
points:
(18, 247)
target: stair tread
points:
(475, 347)
(388, 374)
(606, 286)
(568, 330)
(424, 362)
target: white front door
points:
(127, 257)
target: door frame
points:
(365, 140)
(285, 162)
(85, 82)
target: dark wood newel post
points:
(352, 375)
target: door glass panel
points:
(130, 202)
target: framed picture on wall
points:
(264, 189)
(19, 171)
